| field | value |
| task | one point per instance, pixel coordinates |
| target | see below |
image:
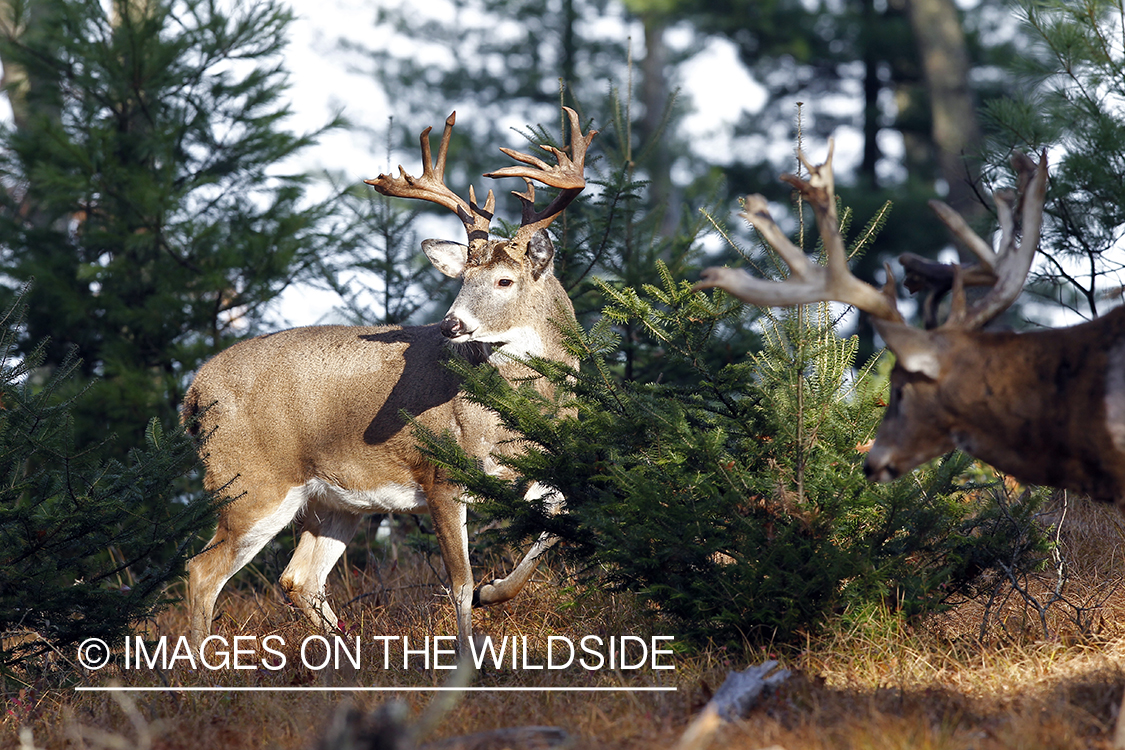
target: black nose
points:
(452, 326)
(874, 474)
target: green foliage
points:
(84, 555)
(733, 501)
(1071, 67)
(144, 196)
(386, 247)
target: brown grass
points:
(873, 683)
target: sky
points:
(715, 92)
(716, 88)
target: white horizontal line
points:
(314, 689)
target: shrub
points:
(83, 552)
(732, 500)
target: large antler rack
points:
(568, 176)
(431, 187)
(807, 281)
(1004, 269)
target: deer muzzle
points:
(453, 327)
(878, 468)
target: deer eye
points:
(505, 282)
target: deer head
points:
(503, 281)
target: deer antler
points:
(1005, 270)
(807, 282)
(568, 175)
(431, 187)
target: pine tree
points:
(143, 190)
(1070, 69)
(88, 545)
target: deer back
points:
(329, 401)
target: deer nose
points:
(879, 473)
(452, 327)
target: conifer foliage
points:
(732, 498)
(84, 544)
(142, 189)
(1070, 66)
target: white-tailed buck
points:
(1047, 407)
(308, 422)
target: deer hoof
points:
(487, 593)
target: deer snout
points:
(453, 327)
(879, 470)
(879, 464)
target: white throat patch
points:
(518, 343)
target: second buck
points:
(307, 423)
(1047, 407)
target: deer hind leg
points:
(503, 589)
(239, 536)
(449, 517)
(325, 533)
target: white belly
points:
(391, 497)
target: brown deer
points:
(1047, 407)
(308, 422)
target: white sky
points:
(715, 91)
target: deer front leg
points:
(503, 589)
(449, 515)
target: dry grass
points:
(871, 684)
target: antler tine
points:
(431, 187)
(1005, 269)
(820, 191)
(1011, 264)
(957, 225)
(958, 304)
(1006, 219)
(807, 282)
(568, 175)
(1015, 265)
(923, 274)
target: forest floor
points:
(984, 675)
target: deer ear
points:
(540, 253)
(447, 257)
(917, 351)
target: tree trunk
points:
(654, 97)
(871, 89)
(945, 64)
